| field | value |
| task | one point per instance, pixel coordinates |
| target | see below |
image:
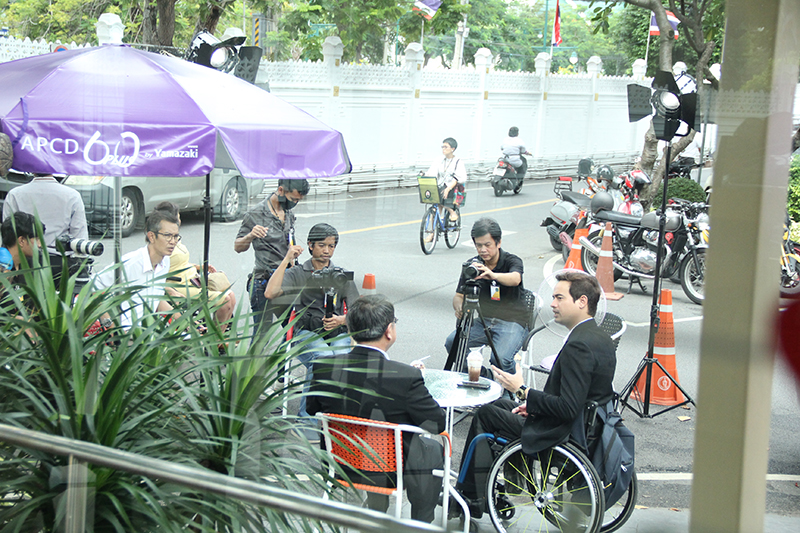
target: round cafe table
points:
(443, 386)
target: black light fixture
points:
(225, 56)
(674, 112)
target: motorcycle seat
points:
(617, 218)
(581, 200)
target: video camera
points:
(81, 246)
(331, 277)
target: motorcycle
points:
(568, 212)
(635, 244)
(506, 178)
(790, 264)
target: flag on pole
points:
(557, 26)
(673, 21)
(427, 8)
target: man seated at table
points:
(367, 384)
(583, 371)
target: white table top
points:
(443, 386)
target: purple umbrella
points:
(114, 110)
(120, 111)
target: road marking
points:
(416, 192)
(687, 476)
(310, 215)
(417, 221)
(676, 320)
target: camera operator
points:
(497, 277)
(322, 290)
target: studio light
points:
(674, 112)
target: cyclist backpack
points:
(613, 457)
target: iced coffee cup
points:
(474, 363)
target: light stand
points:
(646, 365)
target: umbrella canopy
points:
(119, 111)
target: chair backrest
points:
(614, 326)
(367, 445)
(531, 300)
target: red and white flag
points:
(427, 8)
(673, 21)
(557, 26)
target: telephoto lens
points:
(81, 246)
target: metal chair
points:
(532, 304)
(377, 447)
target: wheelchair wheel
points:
(428, 233)
(452, 230)
(616, 515)
(555, 490)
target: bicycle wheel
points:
(452, 230)
(616, 515)
(555, 490)
(427, 231)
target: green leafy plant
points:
(684, 188)
(793, 197)
(159, 389)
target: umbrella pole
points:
(207, 233)
(116, 227)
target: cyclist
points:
(451, 174)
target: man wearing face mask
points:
(269, 228)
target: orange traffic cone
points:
(662, 390)
(574, 259)
(605, 267)
(369, 284)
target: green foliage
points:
(629, 32)
(793, 199)
(158, 389)
(684, 188)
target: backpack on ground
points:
(613, 456)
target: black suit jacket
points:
(364, 383)
(583, 371)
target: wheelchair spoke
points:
(556, 490)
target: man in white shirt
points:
(59, 208)
(147, 266)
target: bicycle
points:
(436, 219)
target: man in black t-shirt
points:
(501, 304)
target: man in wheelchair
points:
(582, 372)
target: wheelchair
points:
(554, 490)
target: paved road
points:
(380, 235)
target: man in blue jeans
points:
(315, 287)
(499, 281)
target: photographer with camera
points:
(494, 278)
(319, 289)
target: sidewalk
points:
(651, 520)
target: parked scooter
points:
(635, 244)
(506, 178)
(568, 211)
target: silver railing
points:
(80, 453)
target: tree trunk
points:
(149, 23)
(657, 175)
(166, 22)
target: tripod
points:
(646, 365)
(457, 358)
